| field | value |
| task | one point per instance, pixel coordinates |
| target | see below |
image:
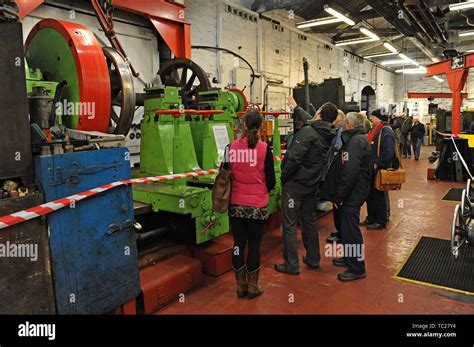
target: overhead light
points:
(466, 33)
(409, 60)
(371, 38)
(380, 54)
(390, 47)
(462, 5)
(434, 60)
(317, 22)
(470, 51)
(369, 34)
(338, 15)
(418, 70)
(395, 62)
(353, 42)
(439, 79)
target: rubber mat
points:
(430, 263)
(454, 194)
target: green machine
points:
(167, 147)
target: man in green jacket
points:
(302, 169)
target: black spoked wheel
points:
(187, 75)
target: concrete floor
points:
(417, 210)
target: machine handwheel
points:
(458, 231)
(187, 75)
(122, 91)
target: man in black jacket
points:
(417, 132)
(302, 168)
(382, 145)
(347, 185)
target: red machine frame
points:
(456, 80)
(166, 16)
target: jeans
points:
(299, 201)
(245, 231)
(352, 239)
(416, 143)
(406, 149)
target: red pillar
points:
(456, 80)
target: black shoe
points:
(404, 156)
(314, 267)
(416, 159)
(376, 226)
(365, 222)
(282, 268)
(339, 262)
(348, 276)
(332, 239)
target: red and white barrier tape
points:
(44, 209)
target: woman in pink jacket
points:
(253, 177)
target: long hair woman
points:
(253, 177)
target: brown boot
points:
(241, 278)
(254, 289)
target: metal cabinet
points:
(93, 243)
(25, 276)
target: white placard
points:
(221, 137)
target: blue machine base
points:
(93, 243)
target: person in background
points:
(302, 169)
(417, 132)
(252, 180)
(367, 124)
(336, 145)
(405, 130)
(376, 203)
(348, 185)
(396, 124)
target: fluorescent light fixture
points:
(409, 60)
(439, 79)
(379, 54)
(353, 42)
(317, 22)
(434, 60)
(371, 38)
(395, 62)
(369, 34)
(470, 51)
(418, 70)
(338, 15)
(462, 5)
(390, 47)
(466, 33)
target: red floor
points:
(417, 210)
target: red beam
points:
(27, 6)
(167, 17)
(416, 95)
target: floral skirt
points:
(238, 211)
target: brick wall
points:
(277, 54)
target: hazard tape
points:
(47, 208)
